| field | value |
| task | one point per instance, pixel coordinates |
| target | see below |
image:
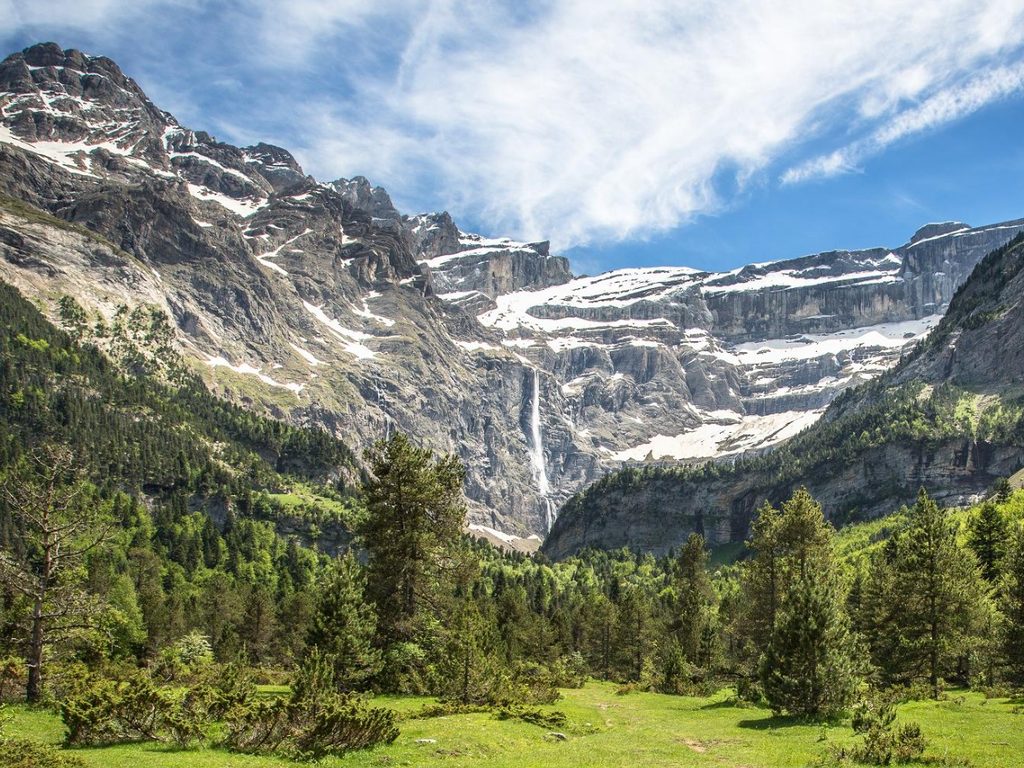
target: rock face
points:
(976, 346)
(321, 303)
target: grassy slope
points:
(638, 729)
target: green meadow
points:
(608, 729)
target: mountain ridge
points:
(321, 304)
(949, 417)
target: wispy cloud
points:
(936, 110)
(585, 120)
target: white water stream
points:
(537, 460)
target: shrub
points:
(554, 719)
(341, 724)
(13, 674)
(111, 711)
(447, 709)
(262, 726)
(187, 656)
(21, 753)
(885, 742)
(108, 711)
(569, 671)
(314, 721)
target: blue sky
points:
(690, 132)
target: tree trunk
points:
(34, 688)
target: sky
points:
(706, 133)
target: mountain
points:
(949, 417)
(178, 446)
(320, 304)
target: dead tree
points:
(56, 525)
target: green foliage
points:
(545, 719)
(942, 601)
(987, 532)
(809, 666)
(25, 753)
(103, 711)
(885, 741)
(344, 625)
(314, 721)
(1012, 603)
(414, 514)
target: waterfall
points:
(537, 460)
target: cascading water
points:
(537, 460)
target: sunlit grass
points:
(606, 729)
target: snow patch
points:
(351, 340)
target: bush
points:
(341, 724)
(111, 711)
(885, 742)
(447, 709)
(314, 721)
(569, 671)
(554, 719)
(21, 753)
(185, 658)
(13, 675)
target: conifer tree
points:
(634, 633)
(987, 533)
(414, 516)
(938, 587)
(59, 526)
(344, 624)
(809, 667)
(788, 544)
(878, 619)
(600, 650)
(1012, 605)
(693, 622)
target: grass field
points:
(605, 729)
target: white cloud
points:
(591, 120)
(942, 107)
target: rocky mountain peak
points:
(275, 164)
(362, 195)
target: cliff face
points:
(660, 513)
(869, 454)
(320, 303)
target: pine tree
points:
(414, 516)
(987, 532)
(809, 667)
(1012, 605)
(762, 580)
(603, 615)
(634, 632)
(693, 621)
(788, 544)
(937, 586)
(60, 525)
(878, 619)
(344, 624)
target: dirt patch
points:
(695, 745)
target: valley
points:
(290, 476)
